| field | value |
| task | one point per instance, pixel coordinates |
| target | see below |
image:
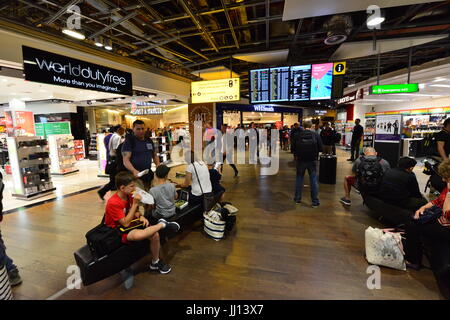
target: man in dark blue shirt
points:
(138, 153)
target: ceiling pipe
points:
(225, 10)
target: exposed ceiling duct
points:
(338, 28)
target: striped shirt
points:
(444, 220)
(5, 288)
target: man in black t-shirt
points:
(358, 133)
(443, 140)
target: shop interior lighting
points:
(184, 106)
(74, 34)
(108, 44)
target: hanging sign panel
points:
(216, 90)
(394, 88)
(46, 67)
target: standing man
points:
(443, 140)
(307, 146)
(358, 133)
(114, 142)
(138, 154)
(227, 140)
(106, 139)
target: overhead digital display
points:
(297, 83)
(259, 85)
(321, 81)
(300, 78)
(279, 84)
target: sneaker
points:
(345, 201)
(298, 201)
(316, 205)
(161, 267)
(170, 225)
(14, 278)
(350, 159)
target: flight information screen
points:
(279, 84)
(300, 77)
(259, 85)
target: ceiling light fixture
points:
(98, 42)
(440, 85)
(74, 34)
(108, 44)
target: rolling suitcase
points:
(327, 169)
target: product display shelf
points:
(79, 149)
(93, 153)
(30, 167)
(368, 139)
(101, 155)
(62, 154)
(162, 148)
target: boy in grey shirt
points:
(164, 194)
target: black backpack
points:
(306, 146)
(369, 174)
(102, 240)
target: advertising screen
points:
(300, 78)
(321, 81)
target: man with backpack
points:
(368, 174)
(306, 148)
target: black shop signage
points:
(46, 67)
(355, 95)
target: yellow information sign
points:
(340, 68)
(216, 90)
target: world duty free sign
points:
(46, 67)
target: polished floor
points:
(278, 250)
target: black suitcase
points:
(327, 169)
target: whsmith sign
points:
(355, 95)
(46, 67)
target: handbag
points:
(430, 214)
(213, 224)
(111, 165)
(208, 198)
(385, 248)
(102, 240)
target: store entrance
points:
(261, 118)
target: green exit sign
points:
(395, 88)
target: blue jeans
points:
(4, 259)
(311, 166)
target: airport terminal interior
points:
(224, 150)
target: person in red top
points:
(438, 230)
(123, 207)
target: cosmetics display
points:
(79, 149)
(62, 154)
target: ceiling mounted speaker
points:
(338, 28)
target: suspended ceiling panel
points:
(215, 73)
(298, 9)
(350, 50)
(266, 57)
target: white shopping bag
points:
(384, 248)
(147, 198)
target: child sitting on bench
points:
(123, 207)
(165, 193)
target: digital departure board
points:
(300, 82)
(297, 83)
(259, 85)
(279, 84)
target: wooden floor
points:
(279, 250)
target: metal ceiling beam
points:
(267, 23)
(62, 11)
(227, 15)
(198, 24)
(152, 11)
(205, 62)
(155, 46)
(114, 24)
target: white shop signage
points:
(263, 108)
(353, 96)
(147, 111)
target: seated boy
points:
(122, 208)
(215, 176)
(164, 192)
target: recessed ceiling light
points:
(438, 79)
(440, 85)
(74, 34)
